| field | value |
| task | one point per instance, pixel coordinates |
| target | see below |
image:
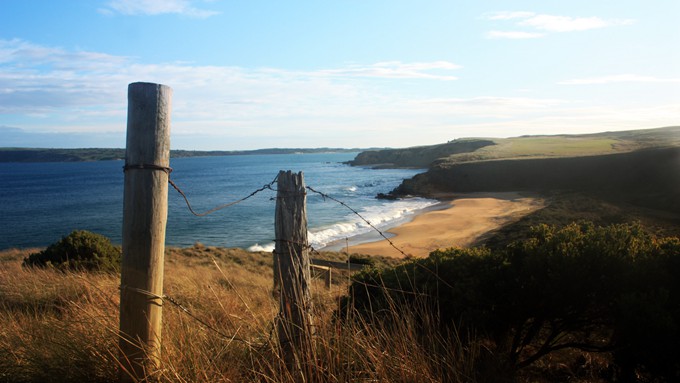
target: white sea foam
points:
(268, 247)
(383, 216)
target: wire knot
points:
(166, 169)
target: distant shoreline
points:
(27, 155)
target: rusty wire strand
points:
(167, 298)
(304, 245)
(326, 196)
(220, 207)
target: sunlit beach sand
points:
(465, 219)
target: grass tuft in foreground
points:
(62, 327)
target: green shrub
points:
(609, 289)
(80, 250)
(361, 260)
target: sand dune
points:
(467, 218)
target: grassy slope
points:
(62, 327)
(419, 156)
(525, 147)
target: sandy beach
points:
(463, 219)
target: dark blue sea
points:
(41, 202)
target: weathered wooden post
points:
(145, 210)
(329, 278)
(291, 255)
(327, 274)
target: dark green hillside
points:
(105, 154)
(642, 171)
(59, 155)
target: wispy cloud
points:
(486, 106)
(83, 93)
(396, 70)
(82, 87)
(35, 78)
(513, 35)
(156, 7)
(552, 23)
(507, 15)
(620, 78)
(25, 54)
(539, 24)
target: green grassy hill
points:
(610, 177)
(419, 156)
(524, 147)
(630, 162)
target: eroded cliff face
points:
(649, 177)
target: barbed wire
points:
(389, 241)
(167, 298)
(305, 245)
(326, 196)
(226, 205)
(269, 186)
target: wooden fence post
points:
(327, 274)
(293, 271)
(145, 208)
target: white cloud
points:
(225, 107)
(552, 23)
(505, 15)
(396, 70)
(513, 35)
(539, 23)
(487, 107)
(621, 78)
(54, 83)
(156, 7)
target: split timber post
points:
(292, 273)
(145, 211)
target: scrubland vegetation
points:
(600, 290)
(574, 303)
(61, 325)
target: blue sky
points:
(252, 74)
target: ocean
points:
(42, 202)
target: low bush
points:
(361, 260)
(596, 289)
(80, 250)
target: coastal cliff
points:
(639, 166)
(650, 176)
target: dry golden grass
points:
(56, 326)
(63, 327)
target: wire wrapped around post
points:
(145, 211)
(292, 269)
